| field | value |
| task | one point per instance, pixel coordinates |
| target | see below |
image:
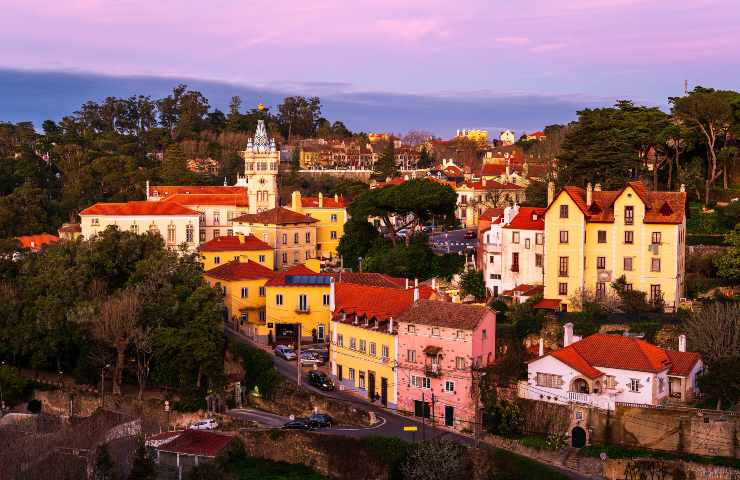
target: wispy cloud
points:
(512, 40)
(548, 47)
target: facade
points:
(603, 369)
(593, 237)
(440, 347)
(177, 452)
(302, 296)
(222, 250)
(291, 235)
(475, 197)
(331, 215)
(261, 163)
(523, 247)
(245, 294)
(507, 137)
(177, 224)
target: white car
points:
(285, 352)
(206, 424)
(308, 358)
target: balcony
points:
(577, 397)
(302, 311)
(432, 370)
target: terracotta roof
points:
(369, 279)
(35, 242)
(197, 442)
(138, 208)
(167, 190)
(524, 290)
(375, 302)
(681, 362)
(279, 278)
(328, 202)
(234, 271)
(492, 170)
(70, 228)
(234, 243)
(275, 216)
(548, 304)
(536, 170)
(444, 314)
(525, 219)
(237, 200)
(491, 213)
(613, 351)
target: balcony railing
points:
(432, 370)
(303, 311)
(579, 397)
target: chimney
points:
(508, 168)
(550, 192)
(336, 197)
(683, 188)
(416, 283)
(597, 187)
(332, 296)
(682, 343)
(567, 334)
(147, 189)
(321, 200)
(390, 325)
(295, 202)
(434, 283)
(589, 194)
(407, 283)
(542, 347)
(416, 294)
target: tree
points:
(142, 463)
(385, 167)
(472, 283)
(536, 194)
(103, 468)
(674, 138)
(714, 331)
(438, 459)
(143, 342)
(299, 116)
(174, 170)
(206, 471)
(709, 112)
(359, 237)
(728, 264)
(721, 381)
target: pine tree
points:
(386, 166)
(174, 168)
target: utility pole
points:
(298, 358)
(423, 418)
(433, 418)
(475, 392)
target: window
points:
(361, 382)
(601, 263)
(563, 236)
(563, 211)
(610, 382)
(495, 276)
(411, 356)
(601, 236)
(515, 261)
(526, 243)
(628, 287)
(435, 331)
(600, 290)
(449, 386)
(333, 235)
(189, 233)
(95, 221)
(285, 238)
(514, 237)
(202, 234)
(285, 257)
(245, 292)
(216, 260)
(420, 382)
(243, 319)
(263, 316)
(490, 259)
(217, 217)
(629, 215)
(296, 238)
(538, 260)
(334, 217)
(262, 291)
(373, 350)
(634, 385)
(539, 238)
(302, 303)
(352, 375)
(340, 340)
(627, 264)
(325, 299)
(385, 351)
(459, 334)
(460, 363)
(563, 270)
(549, 380)
(308, 254)
(655, 293)
(484, 334)
(411, 329)
(261, 259)
(230, 232)
(216, 233)
(170, 233)
(363, 346)
(308, 237)
(562, 289)
(629, 236)
(134, 228)
(654, 264)
(655, 238)
(661, 384)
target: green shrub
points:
(190, 402)
(16, 389)
(259, 370)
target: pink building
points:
(439, 346)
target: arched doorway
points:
(578, 437)
(579, 385)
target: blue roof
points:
(307, 280)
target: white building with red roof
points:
(601, 370)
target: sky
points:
(525, 56)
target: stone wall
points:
(647, 468)
(544, 417)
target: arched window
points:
(189, 233)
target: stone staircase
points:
(571, 459)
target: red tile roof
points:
(278, 278)
(237, 200)
(234, 271)
(167, 190)
(491, 213)
(35, 242)
(444, 314)
(548, 304)
(139, 208)
(197, 442)
(369, 279)
(524, 290)
(328, 202)
(70, 228)
(275, 216)
(234, 243)
(681, 362)
(492, 170)
(528, 218)
(377, 302)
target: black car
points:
(299, 424)
(320, 380)
(320, 420)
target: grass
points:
(512, 466)
(533, 441)
(615, 451)
(252, 468)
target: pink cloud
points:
(512, 40)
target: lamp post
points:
(102, 384)
(167, 410)
(2, 398)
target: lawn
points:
(257, 468)
(510, 466)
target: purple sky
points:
(587, 49)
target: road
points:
(451, 242)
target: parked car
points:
(298, 424)
(320, 380)
(205, 424)
(308, 358)
(321, 353)
(285, 352)
(320, 420)
(470, 234)
(403, 232)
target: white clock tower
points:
(261, 161)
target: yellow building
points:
(592, 237)
(245, 294)
(331, 215)
(291, 235)
(302, 296)
(221, 250)
(364, 342)
(475, 134)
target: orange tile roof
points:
(525, 219)
(234, 271)
(548, 304)
(491, 213)
(524, 289)
(681, 362)
(138, 208)
(370, 279)
(35, 242)
(444, 314)
(278, 278)
(167, 190)
(328, 202)
(275, 216)
(234, 243)
(197, 442)
(375, 302)
(237, 200)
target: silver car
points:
(285, 352)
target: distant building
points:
(539, 135)
(261, 164)
(507, 137)
(178, 452)
(241, 248)
(330, 214)
(34, 243)
(476, 135)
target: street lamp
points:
(167, 410)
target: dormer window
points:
(629, 215)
